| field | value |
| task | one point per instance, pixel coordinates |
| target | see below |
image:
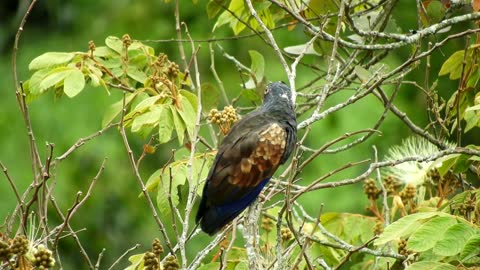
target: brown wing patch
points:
(264, 159)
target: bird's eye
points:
(266, 90)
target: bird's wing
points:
(248, 156)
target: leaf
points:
(471, 249)
(214, 7)
(188, 115)
(149, 118)
(137, 262)
(54, 76)
(152, 181)
(74, 83)
(429, 233)
(103, 51)
(50, 59)
(258, 65)
(208, 266)
(430, 265)
(252, 95)
(178, 123)
(454, 240)
(191, 97)
(173, 176)
(116, 108)
(403, 226)
(146, 103)
(473, 108)
(36, 79)
(165, 125)
(210, 97)
(453, 65)
(114, 43)
(299, 49)
(134, 73)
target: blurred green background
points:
(114, 217)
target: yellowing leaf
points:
(165, 125)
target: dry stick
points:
(100, 256)
(123, 256)
(385, 209)
(461, 88)
(178, 30)
(73, 233)
(352, 251)
(79, 202)
(131, 158)
(215, 75)
(14, 188)
(82, 141)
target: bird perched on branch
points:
(247, 158)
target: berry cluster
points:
(402, 248)
(378, 228)
(224, 119)
(5, 251)
(19, 245)
(371, 189)
(171, 263)
(408, 193)
(43, 258)
(157, 248)
(150, 261)
(127, 40)
(267, 224)
(287, 235)
(391, 184)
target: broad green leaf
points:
(471, 249)
(116, 108)
(454, 239)
(136, 74)
(210, 97)
(258, 65)
(447, 163)
(453, 65)
(252, 95)
(152, 181)
(473, 108)
(137, 262)
(172, 176)
(149, 118)
(178, 123)
(429, 265)
(191, 97)
(429, 233)
(36, 80)
(115, 44)
(214, 7)
(165, 125)
(74, 83)
(50, 59)
(146, 103)
(54, 76)
(103, 51)
(188, 115)
(403, 227)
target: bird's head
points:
(277, 92)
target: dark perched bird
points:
(248, 156)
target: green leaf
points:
(36, 80)
(103, 51)
(210, 97)
(165, 125)
(258, 65)
(214, 7)
(403, 226)
(152, 181)
(453, 65)
(178, 123)
(149, 118)
(146, 104)
(173, 176)
(430, 265)
(134, 73)
(453, 240)
(429, 233)
(252, 95)
(50, 59)
(116, 108)
(208, 266)
(54, 77)
(188, 115)
(137, 262)
(191, 97)
(115, 44)
(471, 249)
(74, 83)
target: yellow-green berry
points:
(19, 245)
(150, 261)
(157, 247)
(171, 263)
(43, 258)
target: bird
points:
(247, 158)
